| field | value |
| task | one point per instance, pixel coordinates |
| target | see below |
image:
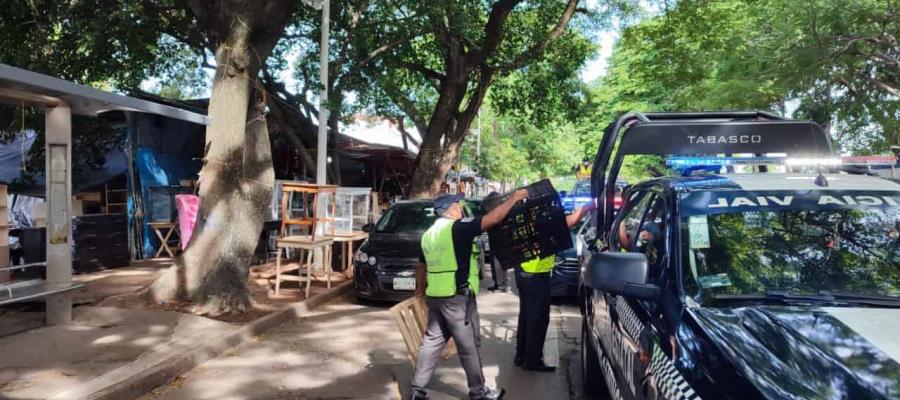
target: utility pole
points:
(322, 148)
(478, 151)
(478, 138)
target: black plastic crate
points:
(535, 228)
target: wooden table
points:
(347, 249)
(159, 228)
(309, 245)
(310, 219)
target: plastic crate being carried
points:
(535, 228)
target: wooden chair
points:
(411, 316)
(308, 245)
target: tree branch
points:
(375, 53)
(406, 135)
(408, 107)
(428, 72)
(538, 48)
(474, 104)
(493, 33)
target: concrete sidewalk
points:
(123, 352)
(346, 350)
(43, 362)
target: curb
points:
(159, 368)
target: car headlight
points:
(372, 261)
(362, 257)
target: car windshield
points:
(582, 188)
(805, 243)
(407, 218)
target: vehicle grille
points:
(398, 264)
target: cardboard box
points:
(90, 196)
(39, 213)
(76, 207)
(4, 256)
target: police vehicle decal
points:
(731, 201)
(669, 381)
(629, 319)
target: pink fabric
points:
(187, 206)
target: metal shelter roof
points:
(17, 84)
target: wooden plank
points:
(411, 316)
(4, 263)
(4, 235)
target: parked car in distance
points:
(581, 195)
(386, 262)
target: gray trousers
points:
(448, 317)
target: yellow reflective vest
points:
(539, 265)
(440, 261)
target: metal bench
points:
(24, 290)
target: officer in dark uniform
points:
(448, 278)
(533, 281)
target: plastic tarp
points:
(158, 170)
(166, 152)
(115, 164)
(187, 205)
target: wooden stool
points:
(169, 228)
(347, 249)
(309, 245)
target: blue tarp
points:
(157, 170)
(166, 151)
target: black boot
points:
(539, 367)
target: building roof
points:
(19, 84)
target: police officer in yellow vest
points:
(533, 281)
(448, 276)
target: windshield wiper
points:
(821, 297)
(865, 299)
(776, 295)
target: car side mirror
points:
(619, 273)
(367, 227)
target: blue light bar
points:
(723, 161)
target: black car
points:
(564, 279)
(386, 262)
(741, 286)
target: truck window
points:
(626, 230)
(650, 239)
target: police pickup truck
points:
(777, 285)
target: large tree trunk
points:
(237, 177)
(431, 167)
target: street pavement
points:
(345, 350)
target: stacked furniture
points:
(100, 242)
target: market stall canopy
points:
(18, 85)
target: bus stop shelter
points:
(60, 100)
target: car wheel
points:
(591, 374)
